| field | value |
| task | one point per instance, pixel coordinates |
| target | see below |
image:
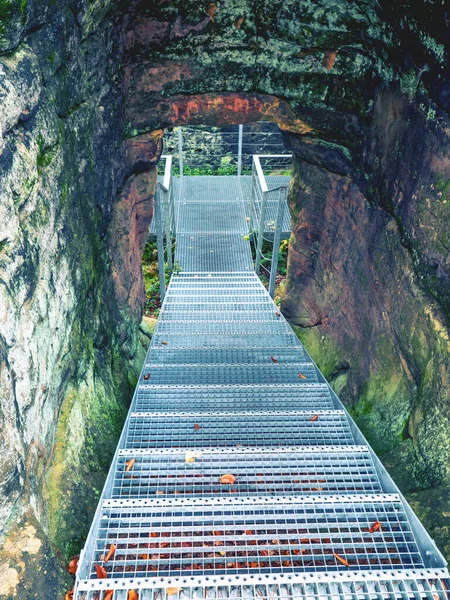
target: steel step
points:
(259, 472)
(197, 430)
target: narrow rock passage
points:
(238, 473)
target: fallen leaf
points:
(228, 478)
(314, 418)
(238, 25)
(212, 10)
(69, 595)
(73, 565)
(278, 313)
(329, 59)
(196, 427)
(340, 559)
(100, 571)
(132, 595)
(302, 376)
(130, 464)
(375, 527)
(111, 552)
(274, 359)
(248, 532)
(171, 591)
(191, 455)
(147, 377)
(165, 343)
(108, 595)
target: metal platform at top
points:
(239, 474)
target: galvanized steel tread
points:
(259, 535)
(196, 430)
(310, 470)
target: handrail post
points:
(167, 228)
(239, 165)
(276, 240)
(180, 150)
(160, 243)
(264, 194)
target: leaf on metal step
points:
(111, 552)
(108, 595)
(375, 527)
(171, 591)
(191, 455)
(278, 313)
(69, 595)
(302, 376)
(273, 359)
(100, 571)
(73, 565)
(314, 418)
(132, 595)
(130, 464)
(228, 478)
(165, 343)
(196, 427)
(340, 559)
(146, 377)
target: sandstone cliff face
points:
(360, 90)
(68, 245)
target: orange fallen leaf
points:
(314, 418)
(302, 376)
(329, 59)
(72, 568)
(196, 427)
(132, 595)
(147, 377)
(340, 559)
(108, 595)
(248, 532)
(274, 359)
(111, 552)
(228, 478)
(100, 571)
(165, 343)
(69, 595)
(375, 527)
(212, 10)
(130, 464)
(171, 591)
(238, 22)
(278, 313)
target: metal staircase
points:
(239, 474)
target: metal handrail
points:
(259, 186)
(164, 223)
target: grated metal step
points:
(259, 472)
(199, 398)
(255, 535)
(228, 374)
(197, 430)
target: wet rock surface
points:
(361, 92)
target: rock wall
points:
(361, 92)
(74, 209)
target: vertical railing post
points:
(264, 194)
(180, 150)
(160, 243)
(239, 164)
(276, 240)
(167, 228)
(260, 232)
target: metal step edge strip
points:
(274, 413)
(230, 386)
(253, 501)
(253, 450)
(291, 578)
(233, 365)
